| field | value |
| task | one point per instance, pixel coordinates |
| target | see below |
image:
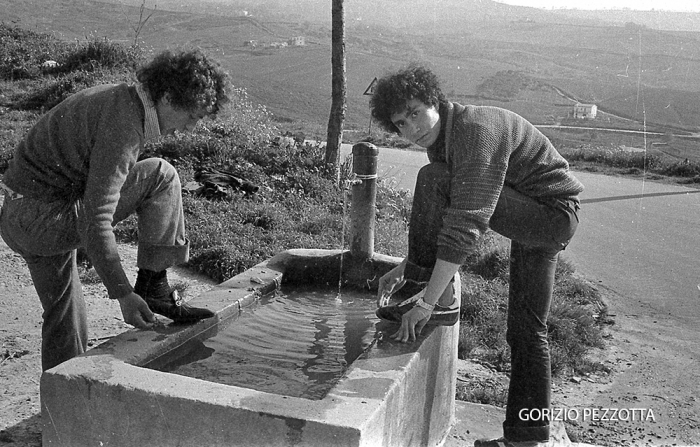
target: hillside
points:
(535, 62)
(657, 19)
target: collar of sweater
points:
(447, 112)
(151, 129)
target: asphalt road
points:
(641, 239)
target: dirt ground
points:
(20, 333)
(648, 371)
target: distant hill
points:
(428, 13)
(532, 61)
(658, 19)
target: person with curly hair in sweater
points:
(488, 168)
(77, 173)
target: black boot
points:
(153, 287)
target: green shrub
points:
(52, 91)
(682, 169)
(614, 158)
(633, 162)
(22, 52)
(245, 124)
(14, 125)
(491, 259)
(99, 54)
(81, 65)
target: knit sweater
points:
(486, 148)
(82, 150)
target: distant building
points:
(585, 111)
(298, 41)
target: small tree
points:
(339, 88)
(142, 21)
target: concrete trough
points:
(394, 395)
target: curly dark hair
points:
(393, 91)
(190, 78)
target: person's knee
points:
(433, 172)
(160, 167)
(527, 330)
(433, 178)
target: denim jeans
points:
(538, 229)
(151, 190)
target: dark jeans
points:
(538, 230)
(47, 234)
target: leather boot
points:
(153, 287)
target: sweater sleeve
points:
(479, 155)
(114, 151)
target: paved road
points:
(641, 239)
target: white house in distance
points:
(298, 41)
(585, 111)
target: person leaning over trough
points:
(489, 168)
(75, 175)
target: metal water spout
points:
(364, 199)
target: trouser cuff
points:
(533, 433)
(160, 257)
(414, 272)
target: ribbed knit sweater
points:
(486, 148)
(83, 149)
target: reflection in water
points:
(295, 343)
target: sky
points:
(668, 5)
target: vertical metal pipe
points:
(364, 199)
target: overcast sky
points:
(668, 5)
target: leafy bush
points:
(682, 169)
(245, 124)
(633, 162)
(614, 158)
(22, 52)
(14, 125)
(52, 91)
(99, 54)
(80, 65)
(491, 259)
